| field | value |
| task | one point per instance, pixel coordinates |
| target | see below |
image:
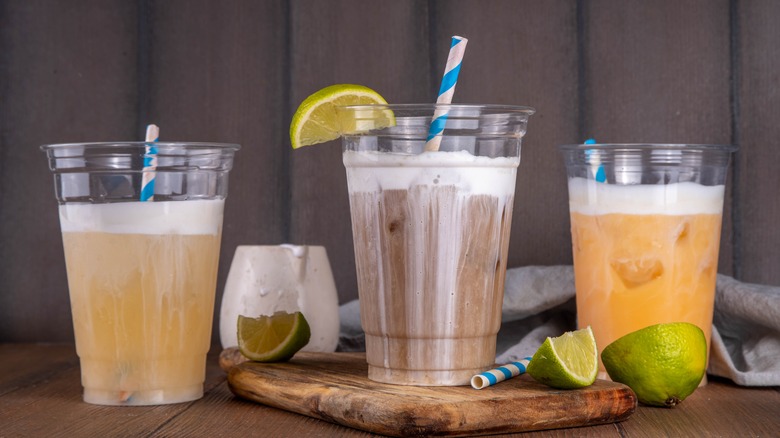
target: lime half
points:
(315, 120)
(566, 362)
(274, 338)
(662, 363)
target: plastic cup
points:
(141, 275)
(431, 235)
(645, 225)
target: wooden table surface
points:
(40, 396)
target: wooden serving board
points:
(334, 387)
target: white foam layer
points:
(372, 172)
(593, 198)
(170, 217)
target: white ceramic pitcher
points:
(266, 279)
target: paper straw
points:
(600, 175)
(446, 90)
(150, 163)
(491, 377)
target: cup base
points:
(447, 361)
(110, 397)
(422, 377)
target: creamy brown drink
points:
(431, 234)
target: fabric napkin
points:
(539, 302)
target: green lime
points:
(316, 121)
(662, 363)
(566, 362)
(274, 338)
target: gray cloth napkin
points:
(539, 302)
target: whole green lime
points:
(663, 363)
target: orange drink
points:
(638, 263)
(645, 225)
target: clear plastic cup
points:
(141, 275)
(431, 235)
(645, 225)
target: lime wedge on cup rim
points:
(274, 338)
(316, 121)
(567, 362)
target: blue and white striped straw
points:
(150, 163)
(599, 174)
(447, 89)
(491, 377)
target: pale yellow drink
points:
(142, 280)
(644, 254)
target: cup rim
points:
(650, 147)
(117, 144)
(492, 108)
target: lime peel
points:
(663, 363)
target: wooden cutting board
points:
(334, 387)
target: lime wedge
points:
(274, 338)
(315, 120)
(566, 362)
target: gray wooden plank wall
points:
(621, 71)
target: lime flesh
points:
(274, 338)
(316, 121)
(567, 362)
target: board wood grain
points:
(334, 387)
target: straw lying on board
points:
(496, 375)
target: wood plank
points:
(714, 410)
(28, 364)
(217, 72)
(335, 387)
(331, 43)
(49, 404)
(514, 57)
(758, 211)
(67, 74)
(57, 398)
(659, 72)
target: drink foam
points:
(593, 198)
(375, 171)
(169, 217)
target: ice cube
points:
(635, 272)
